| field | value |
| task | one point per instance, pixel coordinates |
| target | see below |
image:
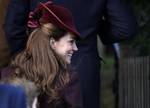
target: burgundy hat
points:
(55, 14)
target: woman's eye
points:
(71, 41)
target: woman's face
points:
(65, 46)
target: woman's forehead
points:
(71, 35)
(68, 36)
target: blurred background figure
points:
(4, 50)
(28, 88)
(12, 97)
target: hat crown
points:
(57, 15)
(62, 14)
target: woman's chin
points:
(68, 61)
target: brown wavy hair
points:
(39, 62)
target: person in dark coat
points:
(47, 55)
(112, 20)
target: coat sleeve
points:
(118, 22)
(72, 94)
(15, 24)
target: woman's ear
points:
(52, 43)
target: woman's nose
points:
(75, 48)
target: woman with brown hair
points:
(46, 58)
